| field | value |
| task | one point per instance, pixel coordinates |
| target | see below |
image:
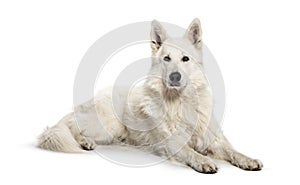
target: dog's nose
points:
(175, 77)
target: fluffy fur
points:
(173, 121)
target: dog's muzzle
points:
(174, 79)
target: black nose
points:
(175, 77)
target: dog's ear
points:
(158, 35)
(194, 33)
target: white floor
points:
(30, 165)
(22, 162)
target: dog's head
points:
(177, 61)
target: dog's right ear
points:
(194, 33)
(158, 35)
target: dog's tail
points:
(59, 138)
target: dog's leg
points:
(65, 137)
(191, 158)
(197, 161)
(221, 149)
(85, 142)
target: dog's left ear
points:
(194, 33)
(158, 35)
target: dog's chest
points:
(179, 117)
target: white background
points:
(256, 44)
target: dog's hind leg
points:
(86, 143)
(60, 137)
(65, 137)
(222, 149)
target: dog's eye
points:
(185, 59)
(167, 58)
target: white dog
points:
(170, 114)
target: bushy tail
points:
(59, 138)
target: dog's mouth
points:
(174, 84)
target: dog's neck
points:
(171, 95)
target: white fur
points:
(59, 138)
(174, 122)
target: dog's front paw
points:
(207, 167)
(87, 143)
(249, 164)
